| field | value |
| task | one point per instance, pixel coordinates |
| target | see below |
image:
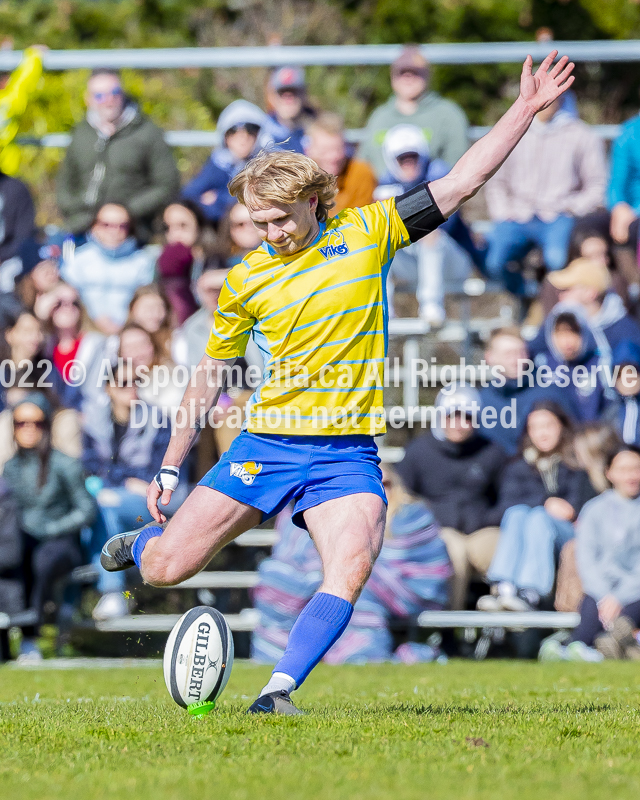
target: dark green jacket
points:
(61, 506)
(134, 167)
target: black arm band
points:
(419, 212)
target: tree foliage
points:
(193, 98)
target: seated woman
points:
(183, 255)
(123, 446)
(150, 309)
(411, 575)
(608, 556)
(541, 494)
(70, 342)
(53, 505)
(108, 269)
(160, 383)
(25, 368)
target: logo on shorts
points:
(336, 246)
(246, 472)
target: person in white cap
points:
(443, 260)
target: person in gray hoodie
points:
(442, 121)
(608, 558)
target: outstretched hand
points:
(541, 88)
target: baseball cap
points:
(411, 60)
(403, 139)
(32, 252)
(288, 78)
(582, 272)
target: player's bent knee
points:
(158, 571)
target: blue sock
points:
(320, 624)
(143, 537)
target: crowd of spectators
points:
(551, 474)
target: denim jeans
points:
(511, 241)
(128, 512)
(431, 267)
(528, 548)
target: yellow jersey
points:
(320, 319)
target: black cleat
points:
(275, 703)
(116, 554)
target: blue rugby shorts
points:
(268, 471)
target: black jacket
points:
(460, 481)
(523, 484)
(17, 216)
(11, 584)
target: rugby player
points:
(313, 298)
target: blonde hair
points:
(327, 122)
(281, 176)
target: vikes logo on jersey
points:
(336, 245)
(246, 472)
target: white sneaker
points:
(29, 652)
(578, 651)
(110, 606)
(489, 603)
(513, 603)
(552, 650)
(433, 314)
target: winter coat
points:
(11, 584)
(523, 484)
(17, 216)
(608, 547)
(107, 279)
(624, 183)
(139, 453)
(222, 164)
(443, 122)
(134, 167)
(459, 481)
(61, 506)
(524, 397)
(591, 396)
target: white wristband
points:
(167, 478)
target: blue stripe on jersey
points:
(321, 291)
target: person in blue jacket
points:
(623, 195)
(624, 412)
(571, 357)
(511, 389)
(438, 263)
(245, 129)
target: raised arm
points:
(480, 162)
(200, 396)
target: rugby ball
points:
(198, 659)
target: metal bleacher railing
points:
(328, 56)
(237, 57)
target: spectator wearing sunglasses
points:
(245, 129)
(116, 155)
(109, 267)
(53, 506)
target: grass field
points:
(461, 730)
